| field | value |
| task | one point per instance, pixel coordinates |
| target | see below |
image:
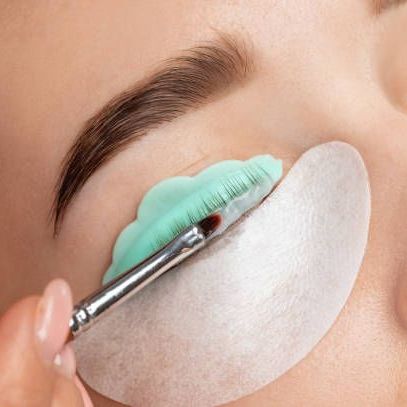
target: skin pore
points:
(324, 71)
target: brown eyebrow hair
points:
(182, 83)
(382, 5)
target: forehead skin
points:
(319, 70)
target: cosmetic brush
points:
(91, 309)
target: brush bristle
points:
(210, 224)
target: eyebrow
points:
(382, 5)
(181, 84)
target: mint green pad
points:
(176, 203)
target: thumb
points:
(32, 337)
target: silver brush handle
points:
(91, 309)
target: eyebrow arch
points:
(181, 84)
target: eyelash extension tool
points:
(91, 309)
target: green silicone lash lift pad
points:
(176, 203)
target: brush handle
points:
(108, 297)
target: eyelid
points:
(182, 84)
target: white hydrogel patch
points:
(250, 306)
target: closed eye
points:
(185, 82)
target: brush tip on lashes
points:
(211, 223)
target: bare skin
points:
(324, 71)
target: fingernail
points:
(52, 319)
(87, 402)
(65, 362)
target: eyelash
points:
(231, 192)
(222, 193)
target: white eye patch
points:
(249, 306)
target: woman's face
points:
(322, 70)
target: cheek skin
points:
(392, 47)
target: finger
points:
(87, 402)
(52, 319)
(67, 394)
(32, 334)
(23, 372)
(70, 393)
(52, 330)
